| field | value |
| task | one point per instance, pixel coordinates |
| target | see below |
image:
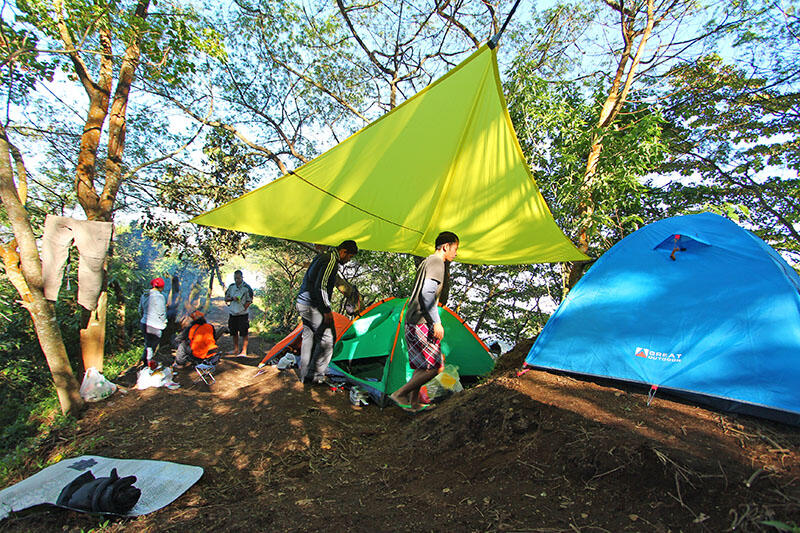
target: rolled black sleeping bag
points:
(110, 494)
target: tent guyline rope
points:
(494, 40)
(293, 173)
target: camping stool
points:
(206, 373)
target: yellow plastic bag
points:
(445, 383)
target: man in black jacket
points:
(314, 306)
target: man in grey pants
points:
(314, 307)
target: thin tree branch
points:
(319, 86)
(217, 124)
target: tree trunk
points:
(30, 285)
(624, 76)
(93, 333)
(100, 206)
(48, 334)
(93, 323)
(44, 321)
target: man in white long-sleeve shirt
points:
(424, 331)
(239, 296)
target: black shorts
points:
(239, 324)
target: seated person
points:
(198, 343)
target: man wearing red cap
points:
(153, 309)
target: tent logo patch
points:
(653, 355)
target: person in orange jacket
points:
(198, 342)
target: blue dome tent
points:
(693, 304)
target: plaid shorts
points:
(424, 350)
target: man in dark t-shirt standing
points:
(423, 329)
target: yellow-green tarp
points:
(446, 159)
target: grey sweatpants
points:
(92, 239)
(323, 351)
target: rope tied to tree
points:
(494, 40)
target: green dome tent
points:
(372, 352)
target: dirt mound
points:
(617, 474)
(483, 414)
(513, 359)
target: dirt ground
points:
(537, 453)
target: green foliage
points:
(378, 275)
(15, 325)
(505, 302)
(21, 65)
(30, 415)
(735, 212)
(170, 37)
(549, 40)
(309, 40)
(103, 526)
(734, 138)
(121, 362)
(767, 30)
(555, 123)
(27, 394)
(37, 420)
(185, 192)
(781, 526)
(26, 384)
(283, 264)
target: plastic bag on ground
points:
(95, 386)
(358, 396)
(160, 377)
(445, 383)
(287, 361)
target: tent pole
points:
(494, 40)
